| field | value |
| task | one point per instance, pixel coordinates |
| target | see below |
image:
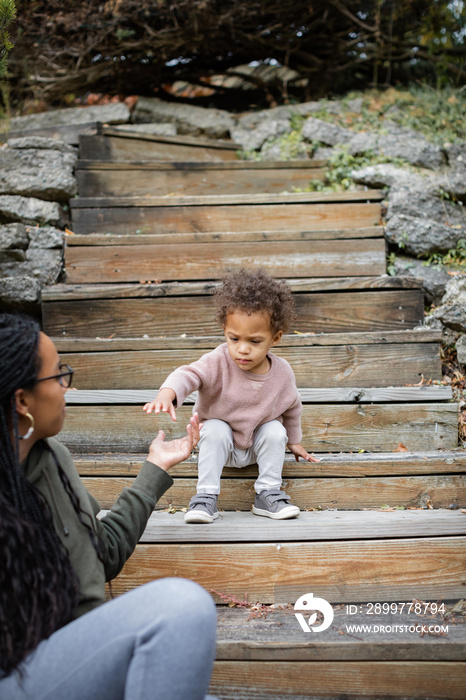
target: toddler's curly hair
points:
(254, 291)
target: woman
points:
(58, 640)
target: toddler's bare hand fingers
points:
(194, 425)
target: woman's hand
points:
(162, 402)
(299, 451)
(167, 454)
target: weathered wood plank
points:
(318, 395)
(326, 367)
(124, 146)
(60, 292)
(330, 465)
(332, 492)
(372, 427)
(430, 680)
(195, 261)
(135, 136)
(317, 313)
(262, 198)
(241, 165)
(145, 181)
(334, 525)
(97, 239)
(276, 636)
(301, 340)
(360, 570)
(219, 218)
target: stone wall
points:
(36, 183)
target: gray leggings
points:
(157, 641)
(216, 449)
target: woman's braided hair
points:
(38, 586)
(254, 291)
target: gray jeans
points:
(157, 641)
(216, 450)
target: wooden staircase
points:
(158, 221)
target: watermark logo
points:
(306, 603)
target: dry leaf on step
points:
(401, 448)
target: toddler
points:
(247, 397)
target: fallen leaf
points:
(68, 232)
(401, 448)
(458, 607)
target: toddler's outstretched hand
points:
(299, 451)
(162, 402)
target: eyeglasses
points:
(65, 377)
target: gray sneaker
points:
(202, 508)
(275, 504)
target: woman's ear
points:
(21, 402)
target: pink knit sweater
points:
(242, 399)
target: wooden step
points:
(310, 494)
(396, 394)
(422, 334)
(332, 367)
(196, 261)
(61, 292)
(122, 146)
(216, 200)
(342, 556)
(226, 213)
(326, 427)
(243, 236)
(426, 680)
(416, 650)
(264, 633)
(334, 312)
(337, 481)
(338, 368)
(337, 526)
(99, 179)
(344, 464)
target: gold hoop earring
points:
(31, 428)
